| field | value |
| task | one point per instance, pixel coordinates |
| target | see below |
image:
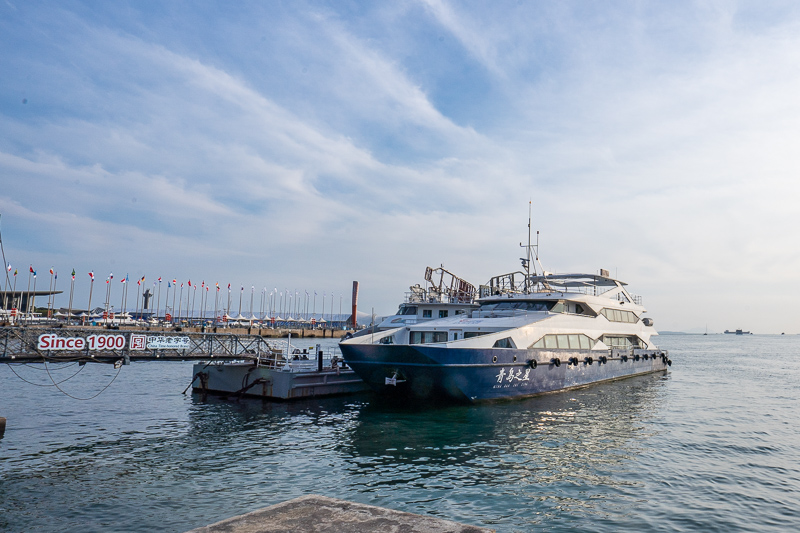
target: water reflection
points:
(553, 453)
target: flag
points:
(124, 279)
(203, 284)
(51, 271)
(73, 273)
(190, 283)
(15, 271)
(31, 269)
(181, 285)
(174, 281)
(9, 267)
(169, 284)
(159, 279)
(142, 279)
(56, 275)
(218, 286)
(229, 287)
(91, 275)
(34, 273)
(138, 282)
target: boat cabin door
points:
(456, 334)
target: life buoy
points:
(556, 361)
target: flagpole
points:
(174, 292)
(28, 299)
(71, 292)
(5, 289)
(33, 302)
(50, 292)
(180, 304)
(216, 301)
(158, 304)
(91, 288)
(14, 291)
(55, 282)
(122, 297)
(127, 283)
(194, 297)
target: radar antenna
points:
(532, 252)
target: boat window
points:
(617, 315)
(387, 340)
(559, 307)
(427, 313)
(575, 341)
(622, 342)
(427, 337)
(410, 310)
(470, 334)
(504, 343)
(525, 306)
(442, 313)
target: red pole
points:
(355, 302)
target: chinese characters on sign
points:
(512, 377)
(148, 342)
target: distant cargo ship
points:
(738, 332)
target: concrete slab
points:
(319, 514)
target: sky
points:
(302, 145)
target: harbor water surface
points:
(712, 445)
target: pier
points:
(101, 345)
(229, 363)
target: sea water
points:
(711, 445)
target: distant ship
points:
(738, 332)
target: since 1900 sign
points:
(51, 341)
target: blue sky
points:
(303, 145)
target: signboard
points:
(51, 341)
(159, 342)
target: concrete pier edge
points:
(321, 514)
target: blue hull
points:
(469, 374)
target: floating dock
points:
(232, 364)
(278, 379)
(329, 515)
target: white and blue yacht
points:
(530, 334)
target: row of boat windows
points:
(615, 315)
(554, 342)
(584, 342)
(524, 306)
(575, 342)
(426, 313)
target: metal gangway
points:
(30, 345)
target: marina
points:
(630, 455)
